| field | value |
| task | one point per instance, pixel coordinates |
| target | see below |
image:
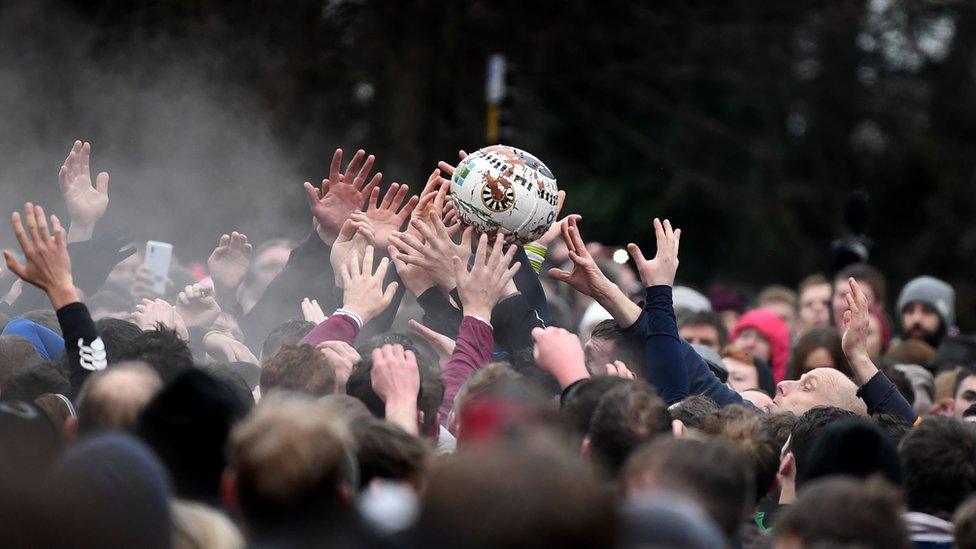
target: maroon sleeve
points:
(335, 328)
(473, 350)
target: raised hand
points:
(364, 294)
(224, 347)
(144, 287)
(482, 286)
(559, 353)
(443, 345)
(86, 204)
(556, 229)
(312, 312)
(342, 357)
(356, 233)
(433, 250)
(150, 313)
(228, 264)
(197, 306)
(585, 277)
(388, 216)
(396, 380)
(342, 193)
(659, 271)
(48, 265)
(856, 322)
(416, 279)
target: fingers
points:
(224, 241)
(312, 194)
(407, 242)
(466, 238)
(360, 176)
(446, 168)
(57, 231)
(560, 200)
(509, 274)
(481, 252)
(389, 196)
(14, 265)
(389, 294)
(409, 207)
(559, 274)
(578, 245)
(63, 179)
(25, 243)
(460, 270)
(636, 254)
(659, 233)
(101, 183)
(367, 268)
(354, 164)
(374, 183)
(336, 165)
(374, 196)
(31, 223)
(41, 221)
(860, 298)
(398, 198)
(496, 253)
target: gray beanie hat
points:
(935, 293)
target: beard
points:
(916, 331)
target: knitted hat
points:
(776, 333)
(851, 447)
(684, 297)
(933, 292)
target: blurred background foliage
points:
(748, 123)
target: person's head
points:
(607, 344)
(15, 352)
(911, 351)
(289, 466)
(743, 374)
(879, 332)
(872, 283)
(29, 443)
(197, 525)
(939, 461)
(927, 307)
(187, 423)
(626, 417)
(298, 367)
(113, 398)
(579, 404)
(667, 520)
(818, 387)
(489, 378)
(162, 349)
(804, 434)
(704, 328)
(963, 391)
(710, 472)
(814, 297)
(28, 383)
(760, 448)
(45, 317)
(964, 521)
(818, 348)
(851, 447)
(360, 385)
(765, 336)
(530, 495)
(117, 335)
(844, 512)
(385, 451)
(693, 411)
(780, 301)
(290, 331)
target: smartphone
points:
(158, 257)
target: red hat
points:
(776, 333)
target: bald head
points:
(113, 398)
(819, 387)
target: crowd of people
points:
(396, 379)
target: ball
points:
(506, 191)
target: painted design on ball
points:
(497, 192)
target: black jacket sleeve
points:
(439, 314)
(308, 273)
(513, 320)
(84, 350)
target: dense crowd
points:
(396, 379)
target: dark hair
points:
(298, 367)
(964, 521)
(581, 402)
(28, 383)
(808, 429)
(707, 318)
(939, 458)
(818, 338)
(360, 383)
(694, 411)
(15, 353)
(845, 512)
(895, 426)
(865, 273)
(900, 380)
(222, 372)
(109, 299)
(162, 349)
(289, 331)
(623, 347)
(961, 377)
(851, 447)
(911, 351)
(45, 317)
(626, 417)
(386, 451)
(709, 471)
(117, 335)
(744, 431)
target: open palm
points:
(86, 204)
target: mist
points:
(190, 152)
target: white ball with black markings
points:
(505, 190)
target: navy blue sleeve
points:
(439, 314)
(666, 368)
(882, 397)
(527, 282)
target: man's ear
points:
(71, 429)
(228, 491)
(585, 448)
(787, 467)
